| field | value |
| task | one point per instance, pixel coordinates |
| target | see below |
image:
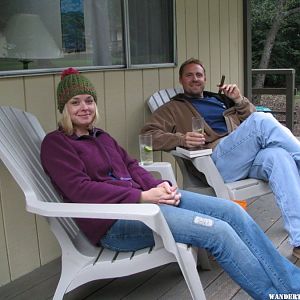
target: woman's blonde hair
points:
(66, 124)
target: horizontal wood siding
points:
(210, 30)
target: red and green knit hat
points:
(73, 83)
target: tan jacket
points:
(169, 123)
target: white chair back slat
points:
(162, 97)
(21, 135)
(172, 92)
(155, 101)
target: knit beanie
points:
(72, 83)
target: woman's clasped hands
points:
(164, 193)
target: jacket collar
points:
(221, 97)
(94, 132)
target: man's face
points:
(193, 80)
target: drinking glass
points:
(146, 150)
(198, 124)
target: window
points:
(42, 35)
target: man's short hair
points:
(188, 62)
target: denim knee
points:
(223, 240)
(263, 121)
(269, 158)
(230, 210)
(261, 116)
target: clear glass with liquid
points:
(146, 149)
(198, 126)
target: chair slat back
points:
(161, 97)
(21, 136)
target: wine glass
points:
(198, 126)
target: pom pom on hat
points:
(67, 72)
(73, 83)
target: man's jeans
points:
(262, 148)
(228, 232)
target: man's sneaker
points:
(296, 251)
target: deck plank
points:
(31, 281)
(121, 288)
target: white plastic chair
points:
(20, 140)
(200, 174)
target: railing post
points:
(290, 103)
(288, 91)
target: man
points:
(245, 143)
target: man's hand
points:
(194, 139)
(162, 194)
(232, 91)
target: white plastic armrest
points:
(135, 211)
(176, 153)
(205, 165)
(149, 214)
(97, 211)
(165, 170)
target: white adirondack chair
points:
(200, 174)
(20, 140)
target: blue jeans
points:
(264, 149)
(228, 232)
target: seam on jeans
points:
(239, 271)
(236, 145)
(259, 254)
(182, 238)
(250, 245)
(259, 132)
(277, 187)
(258, 290)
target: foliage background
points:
(286, 50)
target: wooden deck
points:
(161, 283)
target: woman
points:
(87, 165)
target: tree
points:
(269, 17)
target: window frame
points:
(127, 66)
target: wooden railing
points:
(288, 91)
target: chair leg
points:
(189, 271)
(203, 260)
(64, 282)
(62, 286)
(69, 269)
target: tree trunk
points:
(280, 15)
(269, 43)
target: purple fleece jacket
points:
(93, 169)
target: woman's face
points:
(82, 110)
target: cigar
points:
(221, 83)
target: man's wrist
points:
(239, 100)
